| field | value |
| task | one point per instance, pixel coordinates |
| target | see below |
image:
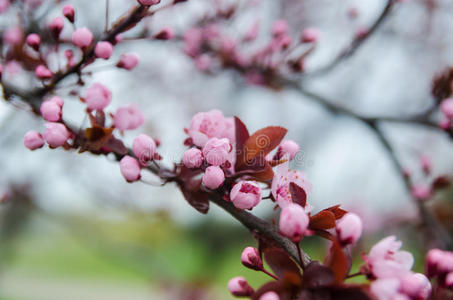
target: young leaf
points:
(325, 219)
(242, 134)
(280, 262)
(338, 262)
(337, 211)
(298, 194)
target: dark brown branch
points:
(355, 44)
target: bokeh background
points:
(77, 230)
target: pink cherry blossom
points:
(280, 183)
(43, 72)
(387, 289)
(213, 177)
(68, 12)
(4, 5)
(33, 140)
(192, 41)
(415, 285)
(13, 36)
(144, 148)
(56, 134)
(349, 228)
(215, 151)
(51, 109)
(103, 50)
(385, 260)
(250, 258)
(288, 147)
(130, 168)
(294, 222)
(192, 158)
(98, 97)
(245, 194)
(128, 118)
(438, 262)
(128, 61)
(239, 287)
(270, 296)
(82, 37)
(34, 41)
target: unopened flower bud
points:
(288, 147)
(97, 97)
(82, 37)
(216, 151)
(310, 35)
(446, 107)
(270, 296)
(103, 50)
(349, 228)
(144, 148)
(294, 222)
(127, 61)
(449, 280)
(42, 72)
(130, 168)
(56, 26)
(421, 192)
(245, 194)
(250, 258)
(438, 262)
(68, 12)
(213, 177)
(33, 140)
(51, 109)
(279, 28)
(128, 118)
(164, 34)
(415, 285)
(192, 158)
(56, 134)
(34, 41)
(239, 287)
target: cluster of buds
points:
(439, 265)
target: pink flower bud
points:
(34, 41)
(439, 262)
(270, 296)
(310, 35)
(103, 50)
(148, 2)
(239, 287)
(203, 62)
(446, 106)
(415, 285)
(144, 148)
(51, 110)
(82, 37)
(13, 36)
(349, 228)
(165, 34)
(252, 32)
(127, 61)
(213, 177)
(216, 151)
(56, 134)
(56, 26)
(128, 118)
(445, 123)
(57, 100)
(4, 5)
(294, 222)
(192, 158)
(449, 280)
(421, 192)
(279, 28)
(68, 12)
(250, 258)
(130, 168)
(425, 162)
(288, 147)
(245, 194)
(33, 140)
(98, 97)
(42, 72)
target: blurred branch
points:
(429, 220)
(356, 43)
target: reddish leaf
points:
(441, 182)
(325, 219)
(98, 119)
(275, 163)
(242, 134)
(338, 262)
(317, 276)
(298, 194)
(275, 286)
(265, 175)
(195, 196)
(325, 234)
(96, 137)
(337, 211)
(281, 263)
(116, 145)
(257, 146)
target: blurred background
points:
(74, 229)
